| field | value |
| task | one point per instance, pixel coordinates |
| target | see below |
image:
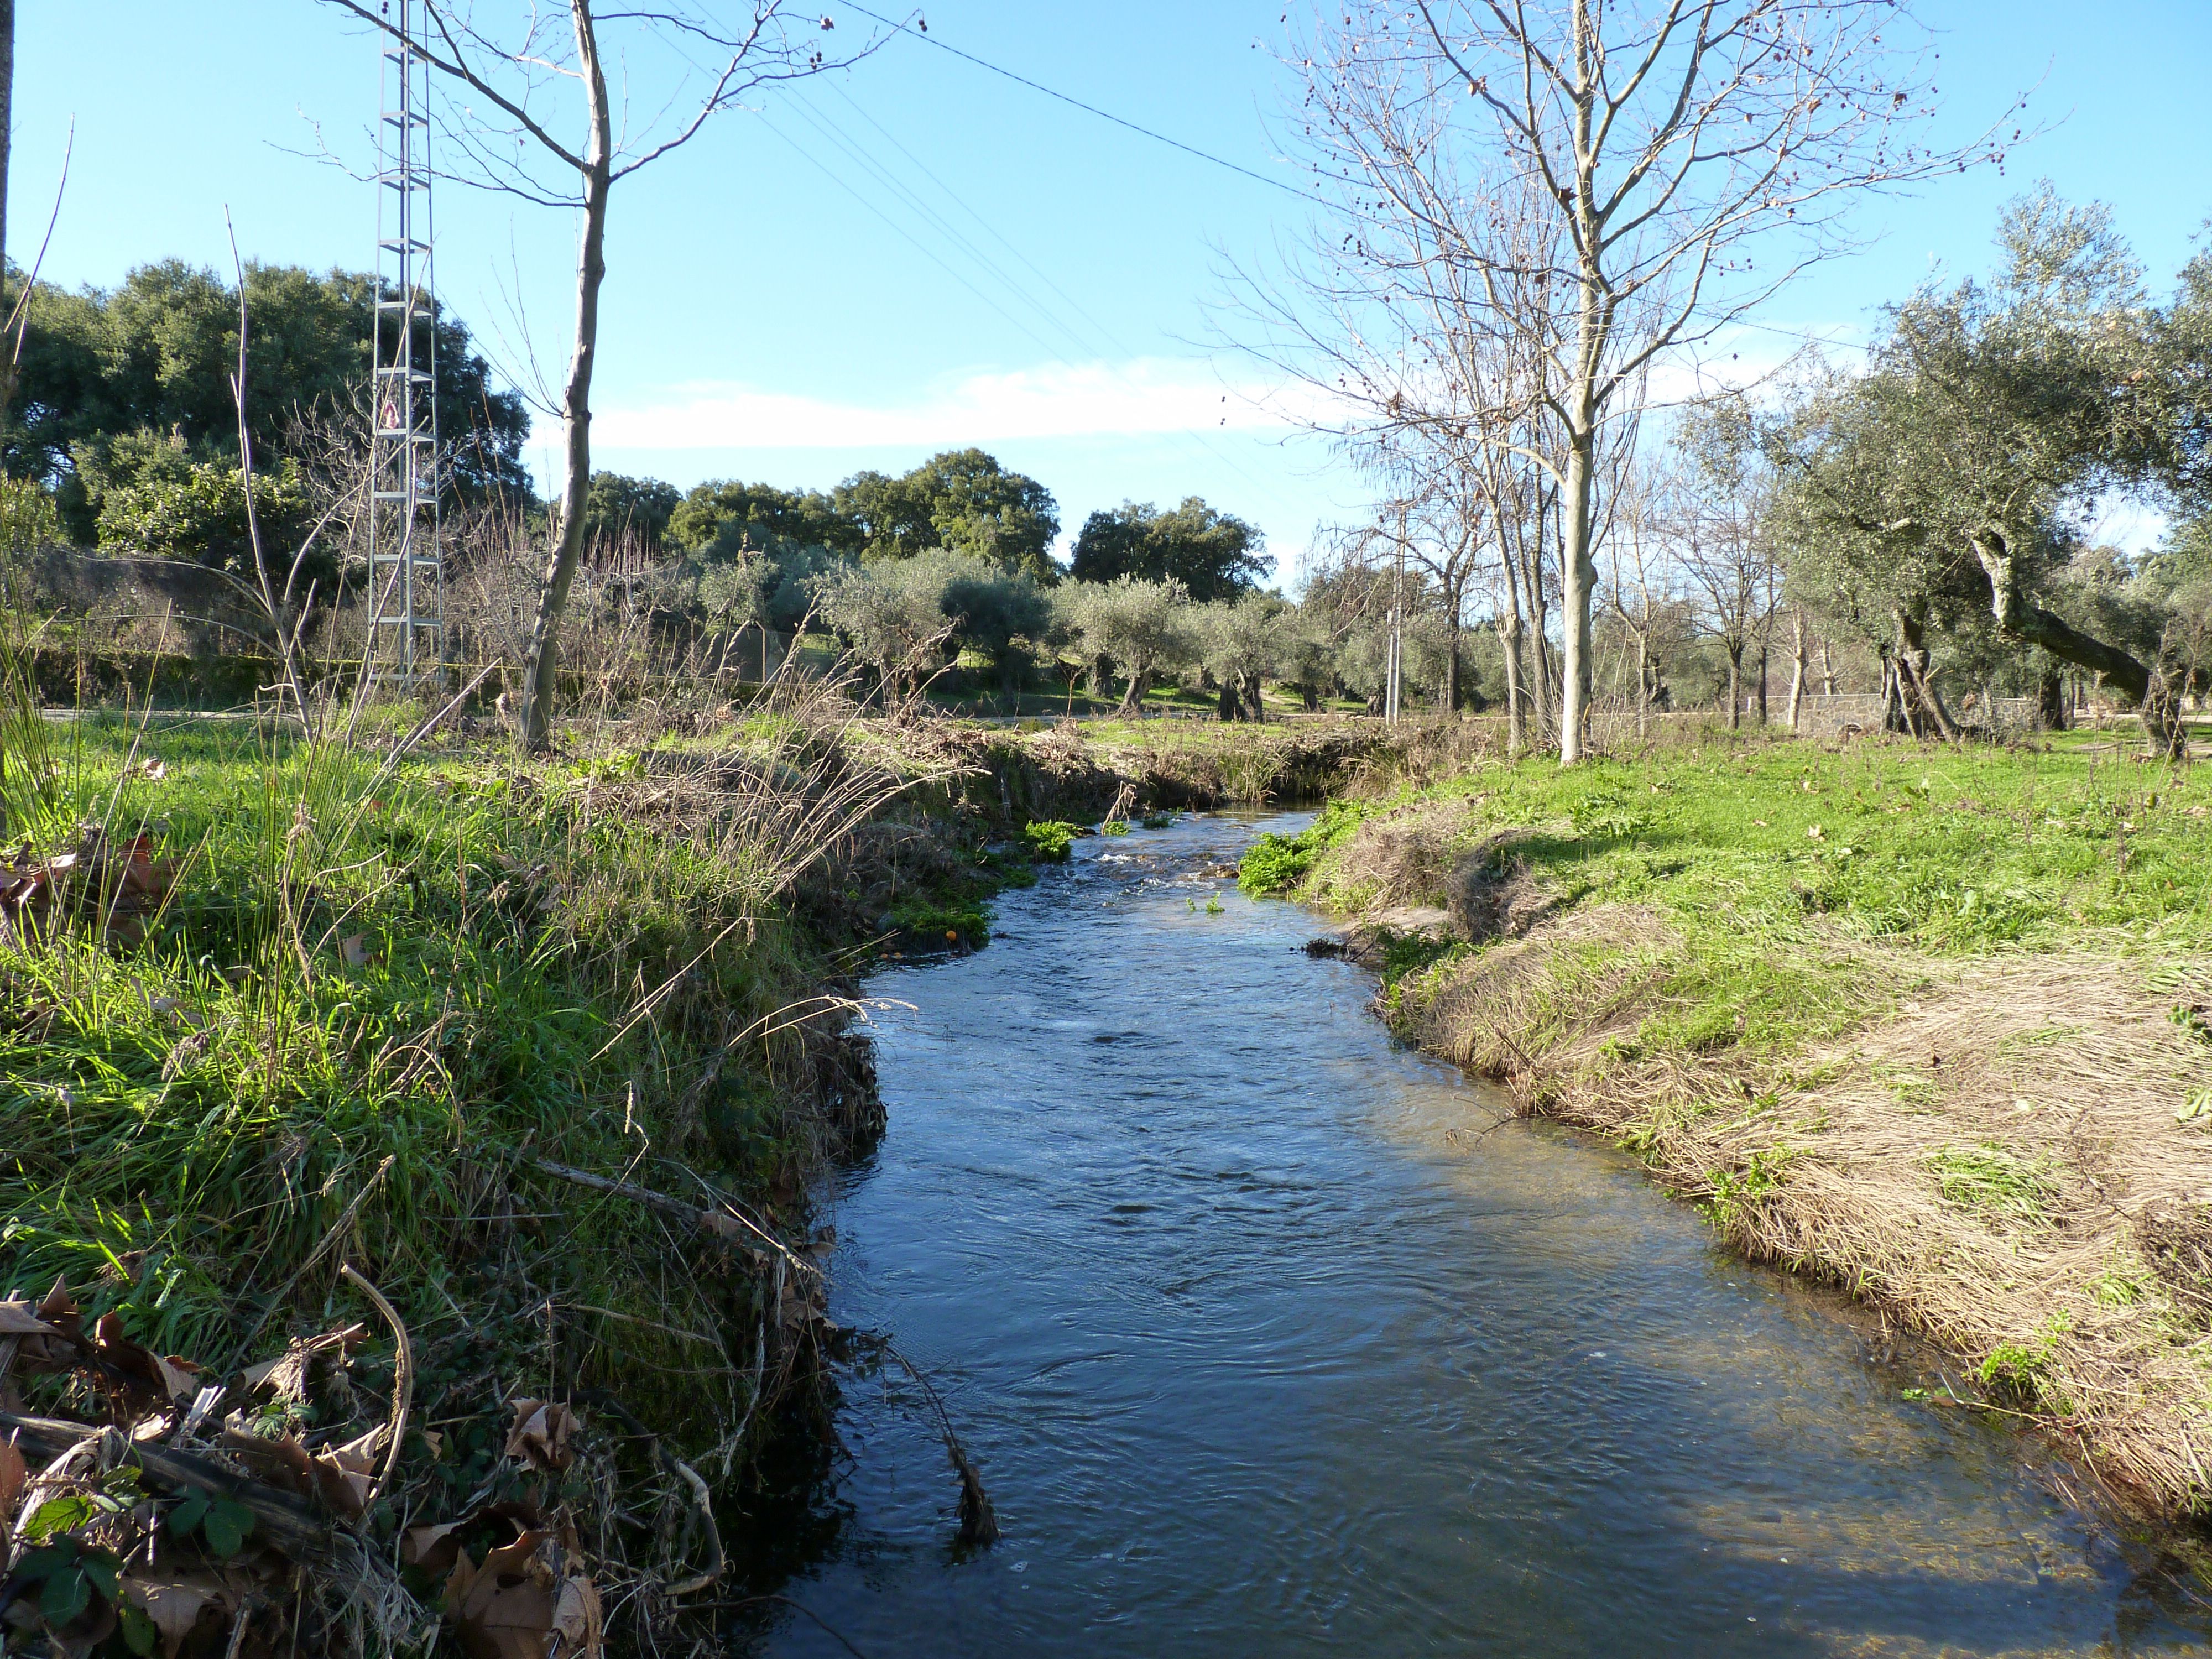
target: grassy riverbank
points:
(550, 1052)
(1930, 1024)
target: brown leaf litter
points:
(224, 1535)
(111, 887)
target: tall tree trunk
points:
(1796, 666)
(543, 669)
(1762, 679)
(1254, 700)
(1644, 681)
(1912, 666)
(1735, 684)
(1577, 584)
(1516, 695)
(7, 117)
(1228, 709)
(1133, 699)
(1451, 665)
(6, 111)
(2051, 699)
(1538, 636)
(1827, 670)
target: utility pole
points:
(406, 567)
(6, 110)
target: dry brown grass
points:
(2004, 1160)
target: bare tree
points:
(1641, 594)
(501, 79)
(1717, 502)
(1617, 179)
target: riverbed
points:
(1269, 1337)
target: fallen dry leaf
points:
(355, 949)
(436, 1550)
(531, 1599)
(179, 1603)
(143, 1378)
(540, 1435)
(152, 771)
(17, 1319)
(281, 1461)
(345, 1475)
(13, 1474)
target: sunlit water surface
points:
(1263, 1348)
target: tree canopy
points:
(154, 356)
(617, 506)
(962, 500)
(1213, 555)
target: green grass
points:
(460, 965)
(1948, 852)
(1991, 1179)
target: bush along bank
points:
(1935, 1025)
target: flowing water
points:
(1263, 1347)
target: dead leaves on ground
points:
(112, 1550)
(111, 887)
(540, 1435)
(533, 1599)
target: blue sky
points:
(915, 254)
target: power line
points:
(932, 219)
(1088, 109)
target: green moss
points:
(934, 923)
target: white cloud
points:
(1148, 395)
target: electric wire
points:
(926, 253)
(934, 220)
(1088, 109)
(881, 175)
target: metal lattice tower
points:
(405, 552)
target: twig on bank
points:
(402, 1381)
(727, 1221)
(701, 1497)
(705, 1500)
(289, 1522)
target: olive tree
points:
(1243, 642)
(1140, 627)
(1947, 478)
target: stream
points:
(1262, 1347)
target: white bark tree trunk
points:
(1796, 666)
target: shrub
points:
(1274, 864)
(1049, 840)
